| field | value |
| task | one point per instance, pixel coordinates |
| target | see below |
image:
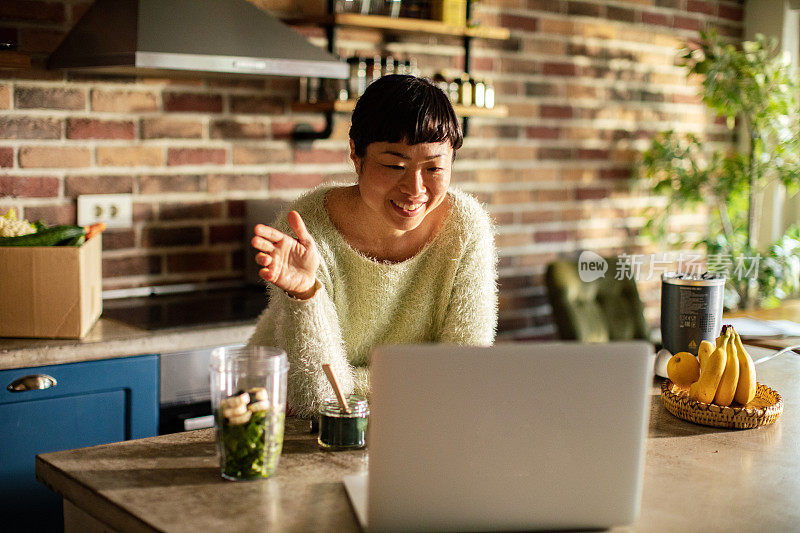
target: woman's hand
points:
(291, 264)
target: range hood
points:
(155, 37)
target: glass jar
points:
(248, 395)
(341, 431)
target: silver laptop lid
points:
(516, 436)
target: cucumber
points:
(47, 237)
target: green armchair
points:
(603, 310)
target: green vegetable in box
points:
(15, 232)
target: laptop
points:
(515, 436)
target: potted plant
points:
(753, 89)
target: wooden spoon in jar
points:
(336, 388)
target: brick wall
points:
(587, 84)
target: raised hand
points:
(291, 264)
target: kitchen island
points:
(697, 478)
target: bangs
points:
(401, 108)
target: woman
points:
(396, 258)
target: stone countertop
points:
(110, 338)
(697, 478)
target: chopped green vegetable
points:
(251, 450)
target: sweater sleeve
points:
(471, 316)
(309, 332)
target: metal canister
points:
(691, 310)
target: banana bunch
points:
(727, 372)
(240, 407)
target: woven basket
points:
(765, 408)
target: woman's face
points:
(403, 183)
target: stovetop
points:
(203, 307)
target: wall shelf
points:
(404, 25)
(347, 106)
(9, 59)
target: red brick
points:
(281, 180)
(49, 98)
(518, 22)
(186, 211)
(87, 128)
(701, 6)
(27, 127)
(77, 185)
(560, 154)
(543, 132)
(591, 193)
(552, 195)
(229, 233)
(257, 104)
(54, 157)
(584, 9)
(172, 236)
(242, 182)
(545, 5)
(53, 214)
(196, 156)
(5, 97)
(6, 157)
(143, 212)
(620, 13)
(232, 129)
(555, 111)
(169, 128)
(319, 155)
(130, 156)
(119, 239)
(559, 69)
(169, 183)
(656, 19)
(29, 186)
(615, 173)
(731, 12)
(235, 208)
(588, 153)
(688, 23)
(124, 101)
(259, 155)
(209, 103)
(139, 265)
(30, 10)
(196, 262)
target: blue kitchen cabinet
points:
(91, 403)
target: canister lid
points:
(707, 279)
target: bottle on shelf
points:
(478, 92)
(488, 102)
(464, 91)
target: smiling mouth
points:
(409, 208)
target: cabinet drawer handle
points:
(32, 382)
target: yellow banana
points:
(730, 377)
(704, 350)
(705, 388)
(746, 387)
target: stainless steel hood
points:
(146, 37)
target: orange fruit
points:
(683, 369)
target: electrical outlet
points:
(116, 210)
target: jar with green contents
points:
(339, 430)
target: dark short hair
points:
(399, 107)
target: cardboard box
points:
(50, 291)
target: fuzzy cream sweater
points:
(445, 293)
